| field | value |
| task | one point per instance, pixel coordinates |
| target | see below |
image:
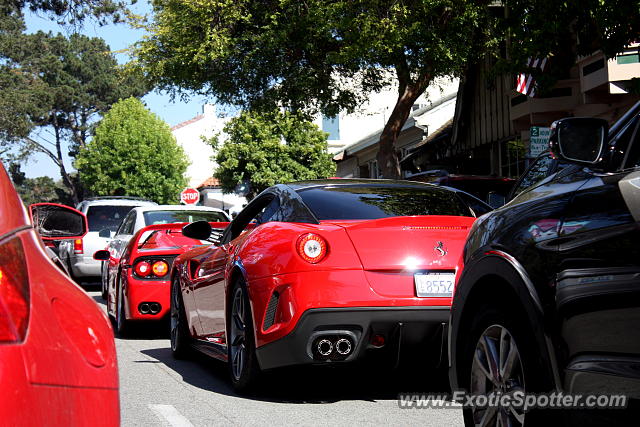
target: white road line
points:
(171, 415)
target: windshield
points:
(106, 217)
(373, 202)
(168, 217)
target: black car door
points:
(598, 279)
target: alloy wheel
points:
(175, 315)
(497, 368)
(238, 335)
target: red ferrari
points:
(58, 357)
(322, 272)
(137, 275)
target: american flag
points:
(526, 84)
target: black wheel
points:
(241, 348)
(122, 325)
(501, 357)
(179, 332)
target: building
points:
(433, 111)
(496, 130)
(191, 136)
(348, 128)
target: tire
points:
(511, 339)
(241, 349)
(122, 324)
(178, 329)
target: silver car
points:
(104, 215)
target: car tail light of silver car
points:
(14, 292)
(312, 247)
(78, 246)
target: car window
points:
(102, 217)
(478, 207)
(168, 217)
(537, 172)
(374, 202)
(632, 157)
(127, 224)
(249, 216)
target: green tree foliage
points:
(58, 86)
(133, 153)
(327, 56)
(314, 56)
(38, 190)
(269, 148)
(73, 12)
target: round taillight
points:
(143, 269)
(312, 248)
(160, 268)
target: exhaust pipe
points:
(325, 347)
(343, 346)
(154, 308)
(144, 308)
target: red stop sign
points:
(189, 196)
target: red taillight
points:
(77, 246)
(14, 293)
(143, 269)
(160, 268)
(312, 248)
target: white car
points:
(104, 215)
(143, 216)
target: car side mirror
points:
(199, 230)
(495, 200)
(58, 222)
(105, 232)
(579, 140)
(102, 255)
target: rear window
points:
(168, 217)
(109, 217)
(367, 202)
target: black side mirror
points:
(102, 255)
(579, 140)
(58, 222)
(105, 232)
(495, 200)
(199, 230)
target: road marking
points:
(171, 415)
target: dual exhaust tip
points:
(333, 346)
(149, 308)
(342, 346)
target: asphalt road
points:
(157, 390)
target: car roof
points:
(118, 202)
(176, 208)
(300, 185)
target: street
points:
(157, 390)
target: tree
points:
(38, 190)
(73, 12)
(58, 86)
(314, 56)
(264, 149)
(133, 153)
(319, 56)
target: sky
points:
(119, 37)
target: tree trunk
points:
(387, 157)
(66, 179)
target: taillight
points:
(143, 269)
(312, 248)
(160, 268)
(14, 292)
(77, 246)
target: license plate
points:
(434, 285)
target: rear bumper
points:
(140, 292)
(401, 327)
(85, 266)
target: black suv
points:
(549, 297)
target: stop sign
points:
(189, 196)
